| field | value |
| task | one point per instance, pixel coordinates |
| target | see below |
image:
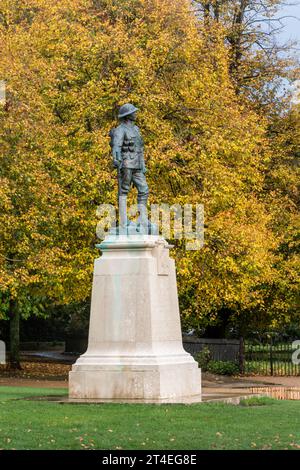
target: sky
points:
(291, 31)
(291, 28)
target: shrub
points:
(223, 367)
(203, 358)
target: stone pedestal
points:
(135, 347)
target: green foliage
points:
(203, 358)
(258, 401)
(223, 368)
(207, 364)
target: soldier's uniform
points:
(128, 149)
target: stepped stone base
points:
(135, 347)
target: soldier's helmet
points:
(126, 110)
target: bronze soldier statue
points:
(128, 157)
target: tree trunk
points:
(14, 332)
(235, 40)
(206, 8)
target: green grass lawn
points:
(33, 424)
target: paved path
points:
(213, 386)
(227, 389)
(284, 381)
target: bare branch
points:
(12, 260)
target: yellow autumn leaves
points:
(68, 65)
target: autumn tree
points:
(282, 190)
(68, 65)
(45, 230)
(260, 63)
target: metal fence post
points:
(242, 356)
(271, 356)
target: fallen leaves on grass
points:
(37, 370)
(295, 445)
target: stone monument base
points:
(135, 347)
(154, 382)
